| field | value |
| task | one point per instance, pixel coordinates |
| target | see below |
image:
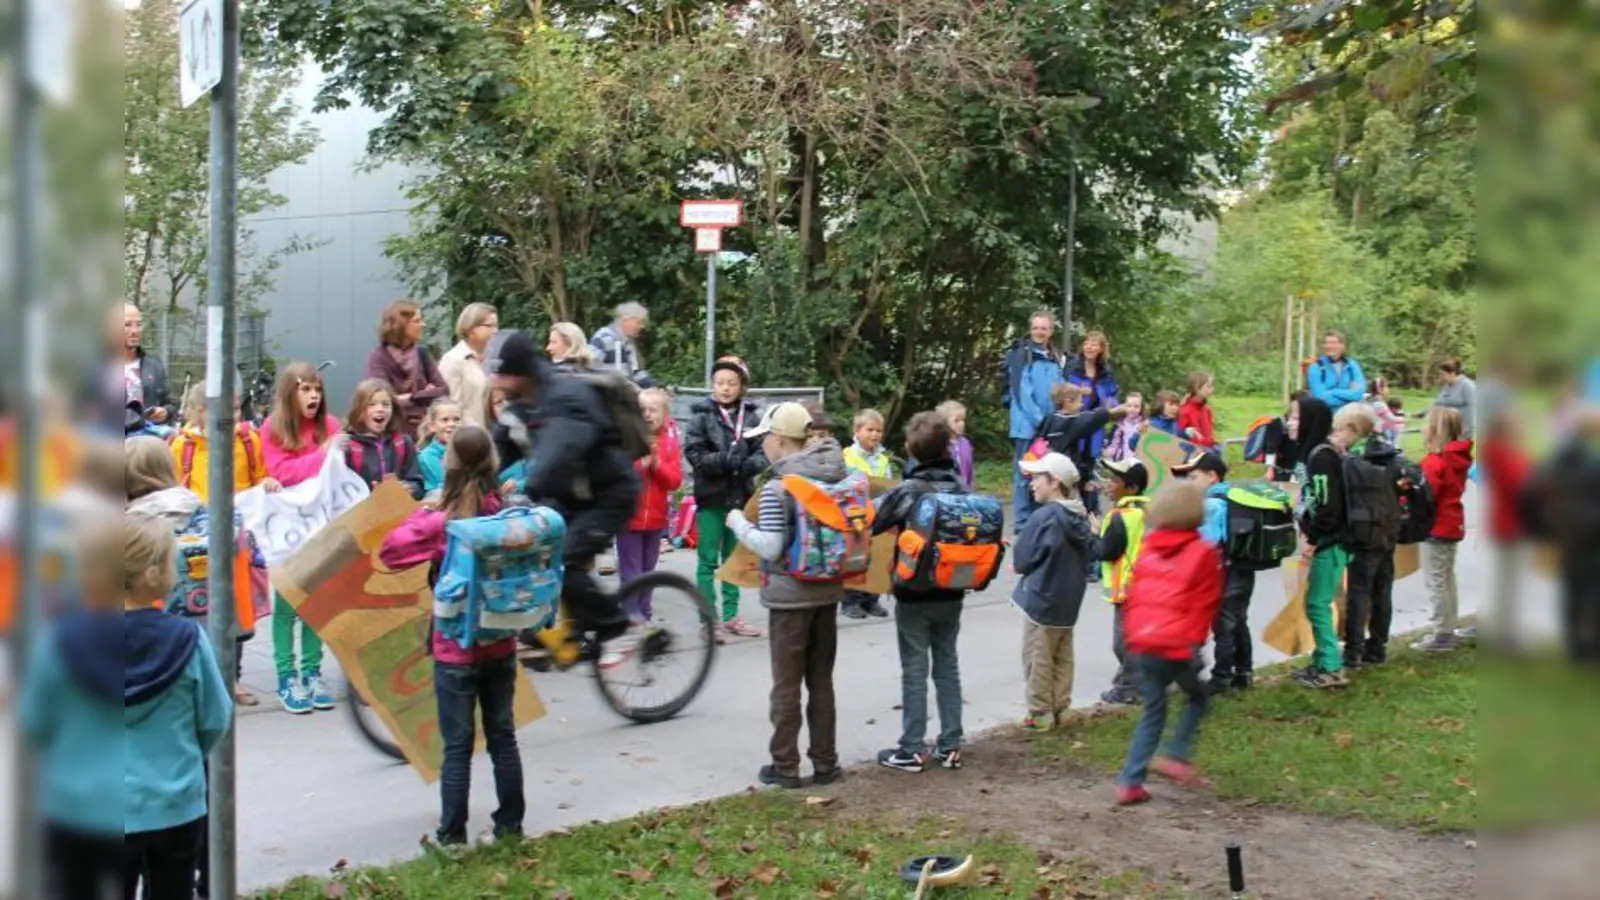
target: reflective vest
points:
(1117, 576)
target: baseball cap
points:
(788, 420)
(514, 355)
(1129, 471)
(1055, 465)
(1202, 461)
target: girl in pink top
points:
(296, 439)
(466, 679)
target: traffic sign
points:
(708, 240)
(711, 214)
(199, 49)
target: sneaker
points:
(1038, 724)
(740, 628)
(950, 759)
(1132, 795)
(617, 652)
(773, 778)
(1177, 771)
(292, 694)
(874, 609)
(1469, 633)
(827, 776)
(1116, 697)
(1321, 678)
(899, 759)
(1436, 643)
(852, 611)
(317, 691)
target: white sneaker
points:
(618, 651)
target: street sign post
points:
(708, 218)
(200, 50)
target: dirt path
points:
(1178, 839)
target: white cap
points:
(1055, 465)
(789, 420)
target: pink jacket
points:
(421, 540)
(294, 466)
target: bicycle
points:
(679, 613)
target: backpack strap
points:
(353, 450)
(252, 449)
(188, 462)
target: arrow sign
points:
(199, 49)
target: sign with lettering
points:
(282, 522)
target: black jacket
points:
(1072, 436)
(377, 456)
(724, 469)
(893, 510)
(573, 453)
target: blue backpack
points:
(951, 542)
(191, 595)
(501, 575)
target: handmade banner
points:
(1159, 452)
(282, 522)
(376, 622)
(743, 568)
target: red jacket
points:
(1505, 472)
(1196, 413)
(1447, 475)
(661, 477)
(1176, 592)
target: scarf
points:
(407, 361)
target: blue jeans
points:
(1022, 504)
(463, 690)
(1153, 675)
(929, 629)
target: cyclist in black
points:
(558, 425)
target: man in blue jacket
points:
(1335, 379)
(1032, 368)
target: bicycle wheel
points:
(671, 656)
(370, 726)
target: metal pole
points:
(1288, 346)
(220, 338)
(711, 314)
(26, 225)
(1066, 270)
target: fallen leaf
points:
(1041, 892)
(1462, 782)
(637, 876)
(1078, 745)
(527, 865)
(747, 848)
(666, 861)
(990, 875)
(702, 866)
(766, 872)
(335, 889)
(827, 889)
(1344, 740)
(821, 802)
(725, 886)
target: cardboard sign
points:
(376, 622)
(283, 522)
(1159, 452)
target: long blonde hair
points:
(1444, 426)
(149, 467)
(425, 434)
(578, 349)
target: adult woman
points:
(567, 347)
(400, 360)
(462, 367)
(1459, 393)
(1091, 370)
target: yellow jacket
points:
(191, 457)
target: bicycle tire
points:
(380, 741)
(645, 715)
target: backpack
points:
(1372, 504)
(1255, 440)
(396, 440)
(1261, 528)
(620, 398)
(831, 526)
(252, 454)
(501, 575)
(191, 594)
(951, 542)
(1418, 507)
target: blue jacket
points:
(1337, 385)
(1031, 371)
(430, 460)
(1103, 392)
(1215, 527)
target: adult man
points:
(1336, 379)
(144, 378)
(614, 345)
(1032, 367)
(575, 464)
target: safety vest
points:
(1117, 576)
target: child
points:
(821, 424)
(1233, 659)
(1282, 445)
(1068, 431)
(466, 681)
(926, 621)
(1177, 588)
(1050, 556)
(639, 546)
(1168, 406)
(1125, 437)
(805, 630)
(1369, 598)
(298, 435)
(512, 476)
(1196, 422)
(868, 457)
(961, 448)
(433, 437)
(725, 461)
(1322, 522)
(374, 447)
(1121, 538)
(1445, 466)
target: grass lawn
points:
(1398, 747)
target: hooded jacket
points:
(1031, 370)
(893, 510)
(1337, 382)
(1175, 595)
(290, 467)
(377, 456)
(1197, 414)
(192, 445)
(1215, 527)
(662, 476)
(1322, 505)
(769, 537)
(724, 463)
(1446, 472)
(1050, 554)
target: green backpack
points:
(1261, 527)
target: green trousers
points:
(717, 543)
(283, 623)
(1322, 585)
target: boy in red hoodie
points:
(1176, 591)
(1446, 465)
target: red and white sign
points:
(711, 214)
(708, 240)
